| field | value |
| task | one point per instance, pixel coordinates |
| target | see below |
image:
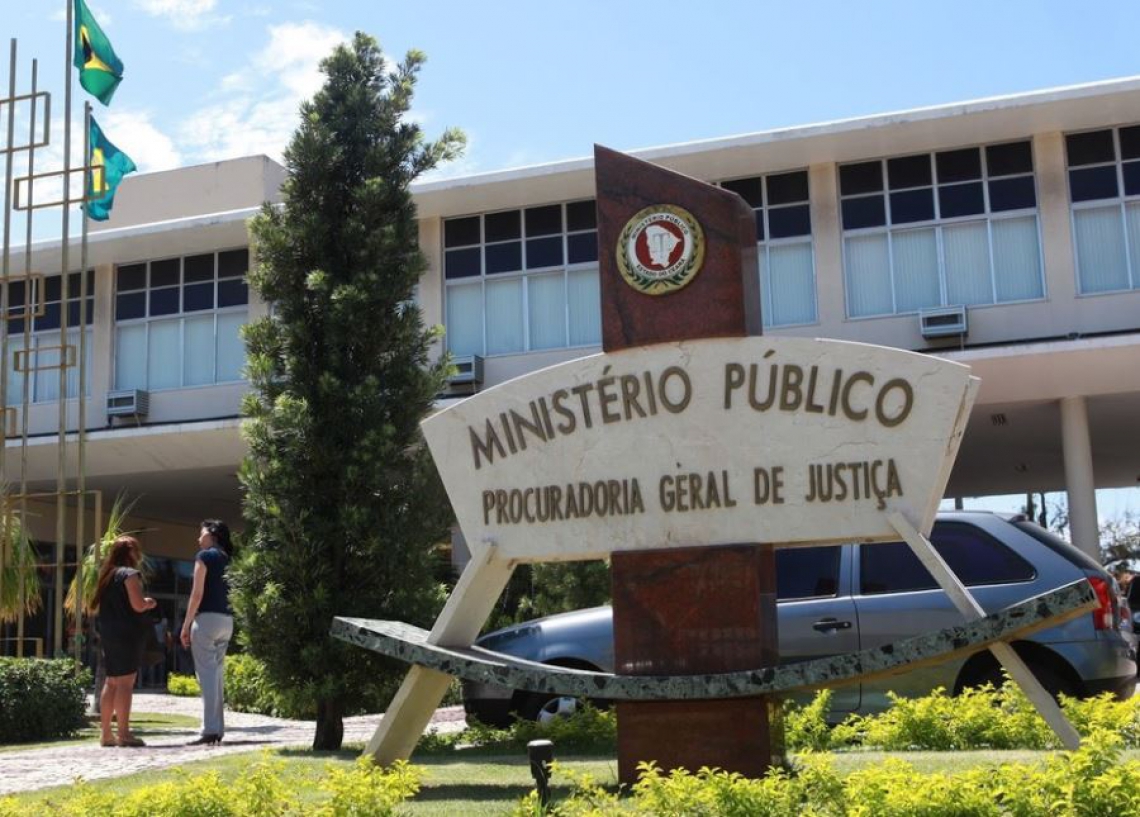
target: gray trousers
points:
(209, 638)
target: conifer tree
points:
(342, 503)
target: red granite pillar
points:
(677, 261)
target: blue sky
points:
(533, 82)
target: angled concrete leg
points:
(1005, 654)
(419, 695)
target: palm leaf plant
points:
(19, 577)
(116, 520)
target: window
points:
(1104, 187)
(522, 280)
(807, 573)
(975, 557)
(783, 228)
(958, 227)
(43, 377)
(178, 321)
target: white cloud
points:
(183, 14)
(257, 111)
(59, 15)
(135, 134)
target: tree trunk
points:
(330, 725)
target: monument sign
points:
(685, 452)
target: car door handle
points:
(825, 625)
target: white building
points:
(1023, 211)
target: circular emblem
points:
(661, 249)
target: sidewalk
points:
(58, 766)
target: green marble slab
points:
(407, 643)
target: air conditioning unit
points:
(947, 322)
(128, 403)
(468, 371)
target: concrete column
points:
(827, 240)
(1079, 482)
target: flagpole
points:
(81, 362)
(5, 252)
(61, 462)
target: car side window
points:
(975, 557)
(807, 573)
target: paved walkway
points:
(61, 765)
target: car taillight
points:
(1104, 616)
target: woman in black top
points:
(209, 625)
(120, 602)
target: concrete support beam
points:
(1079, 483)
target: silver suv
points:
(842, 598)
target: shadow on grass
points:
(473, 792)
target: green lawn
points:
(142, 724)
(490, 785)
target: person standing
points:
(118, 605)
(209, 625)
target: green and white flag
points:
(109, 165)
(100, 71)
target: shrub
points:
(588, 731)
(41, 700)
(184, 686)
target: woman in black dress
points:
(120, 602)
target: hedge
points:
(41, 700)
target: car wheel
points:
(1054, 683)
(557, 708)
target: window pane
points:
(231, 348)
(463, 263)
(786, 188)
(46, 379)
(130, 277)
(1130, 142)
(582, 247)
(785, 222)
(966, 251)
(131, 305)
(581, 215)
(868, 211)
(234, 292)
(130, 357)
(1090, 183)
(792, 284)
(164, 358)
(164, 301)
(465, 319)
(1090, 148)
(1006, 160)
(233, 263)
(502, 226)
(911, 206)
(959, 165)
(504, 257)
(891, 567)
(15, 378)
(1017, 259)
(908, 171)
(748, 189)
(865, 177)
(50, 318)
(961, 200)
(976, 558)
(544, 252)
(759, 219)
(916, 270)
(544, 220)
(199, 268)
(1101, 260)
(504, 316)
(868, 276)
(585, 307)
(805, 573)
(1132, 219)
(1131, 178)
(461, 232)
(1012, 194)
(196, 297)
(198, 351)
(546, 306)
(73, 371)
(165, 273)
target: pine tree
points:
(342, 503)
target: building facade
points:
(1003, 233)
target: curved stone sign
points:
(704, 442)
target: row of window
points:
(954, 227)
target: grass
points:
(142, 724)
(490, 785)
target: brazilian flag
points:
(109, 165)
(100, 71)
